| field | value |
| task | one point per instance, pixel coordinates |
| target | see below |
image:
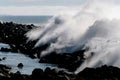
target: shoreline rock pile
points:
(14, 35)
(100, 73)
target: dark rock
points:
(37, 74)
(69, 61)
(32, 56)
(55, 71)
(4, 58)
(101, 73)
(4, 70)
(63, 77)
(17, 76)
(0, 59)
(47, 70)
(5, 49)
(20, 65)
(14, 35)
(4, 78)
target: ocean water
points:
(36, 20)
(13, 59)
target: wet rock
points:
(4, 70)
(101, 73)
(5, 49)
(4, 58)
(32, 56)
(0, 59)
(47, 71)
(37, 74)
(20, 65)
(55, 71)
(69, 61)
(17, 76)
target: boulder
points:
(37, 74)
(20, 65)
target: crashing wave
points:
(96, 26)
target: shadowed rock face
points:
(69, 61)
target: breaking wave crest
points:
(97, 26)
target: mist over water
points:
(96, 26)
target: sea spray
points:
(96, 26)
(104, 43)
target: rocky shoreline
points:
(14, 35)
(101, 73)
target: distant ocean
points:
(37, 20)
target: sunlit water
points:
(13, 59)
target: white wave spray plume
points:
(96, 26)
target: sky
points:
(42, 7)
(40, 2)
(38, 7)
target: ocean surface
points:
(36, 20)
(13, 59)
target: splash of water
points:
(96, 26)
(104, 43)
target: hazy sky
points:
(38, 7)
(40, 2)
(41, 7)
